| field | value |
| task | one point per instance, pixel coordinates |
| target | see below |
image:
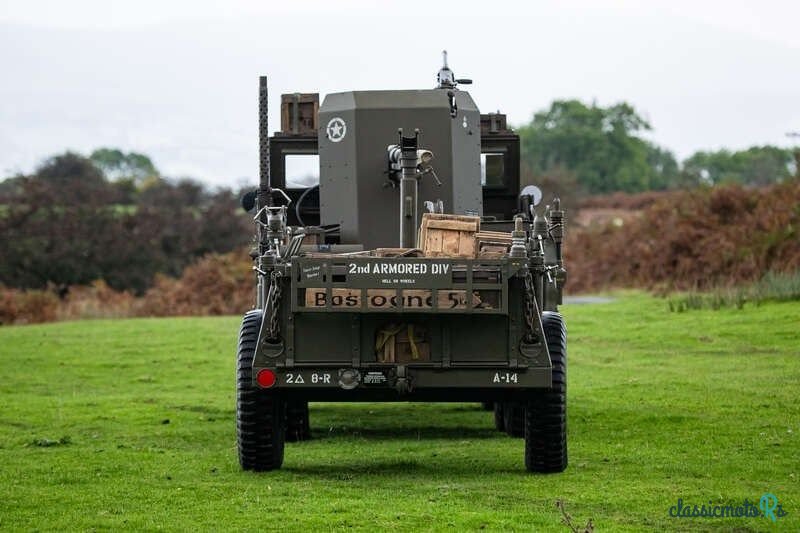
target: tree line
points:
(110, 216)
(591, 149)
(113, 216)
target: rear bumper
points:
(375, 383)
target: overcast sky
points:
(178, 80)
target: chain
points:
(273, 305)
(529, 308)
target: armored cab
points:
(357, 127)
(409, 268)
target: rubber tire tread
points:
(260, 414)
(499, 420)
(514, 419)
(546, 412)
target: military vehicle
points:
(355, 301)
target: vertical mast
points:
(263, 144)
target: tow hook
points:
(403, 382)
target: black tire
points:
(546, 412)
(260, 414)
(499, 421)
(297, 425)
(514, 419)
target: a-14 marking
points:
(505, 377)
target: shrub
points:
(97, 300)
(214, 285)
(695, 240)
(27, 307)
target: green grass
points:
(129, 424)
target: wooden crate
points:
(494, 237)
(300, 113)
(449, 235)
(493, 244)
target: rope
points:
(384, 336)
(414, 351)
(390, 334)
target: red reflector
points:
(266, 378)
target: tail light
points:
(266, 378)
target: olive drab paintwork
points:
(353, 165)
(340, 320)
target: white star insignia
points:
(336, 129)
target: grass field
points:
(129, 424)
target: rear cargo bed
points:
(460, 311)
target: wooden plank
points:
(387, 298)
(490, 232)
(394, 252)
(481, 236)
(339, 297)
(450, 243)
(326, 255)
(493, 236)
(485, 254)
(433, 243)
(381, 298)
(452, 225)
(489, 248)
(466, 245)
(448, 216)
